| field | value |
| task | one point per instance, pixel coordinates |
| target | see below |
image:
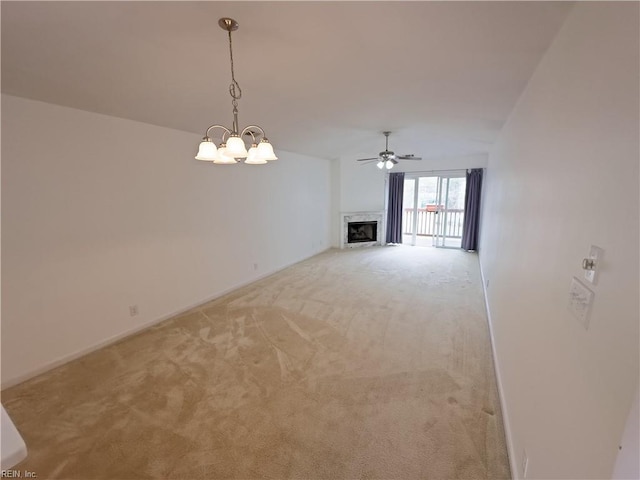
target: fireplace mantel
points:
(347, 217)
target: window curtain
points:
(394, 212)
(472, 209)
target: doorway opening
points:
(433, 209)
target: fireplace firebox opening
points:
(362, 232)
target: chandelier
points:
(232, 149)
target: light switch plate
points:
(595, 254)
(580, 301)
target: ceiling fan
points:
(387, 159)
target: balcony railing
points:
(429, 218)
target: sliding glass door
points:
(450, 219)
(433, 209)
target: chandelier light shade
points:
(207, 152)
(233, 149)
(253, 158)
(222, 158)
(265, 150)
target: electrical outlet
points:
(525, 464)
(133, 310)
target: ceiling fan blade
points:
(366, 159)
(364, 162)
(409, 157)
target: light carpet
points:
(355, 364)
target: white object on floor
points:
(13, 447)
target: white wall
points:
(101, 213)
(628, 461)
(564, 176)
(442, 164)
(362, 186)
(336, 203)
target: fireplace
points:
(362, 232)
(362, 229)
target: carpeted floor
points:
(355, 364)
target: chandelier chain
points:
(234, 87)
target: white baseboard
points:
(515, 473)
(6, 383)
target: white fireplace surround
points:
(347, 217)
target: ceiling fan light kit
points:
(232, 149)
(387, 159)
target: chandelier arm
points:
(253, 127)
(226, 130)
(249, 132)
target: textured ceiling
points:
(322, 78)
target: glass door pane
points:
(450, 216)
(438, 239)
(455, 211)
(409, 211)
(425, 211)
(419, 210)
